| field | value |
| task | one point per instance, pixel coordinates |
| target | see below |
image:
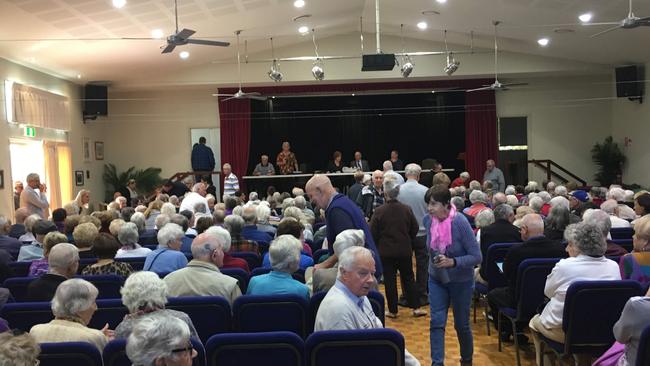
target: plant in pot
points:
(610, 160)
(146, 180)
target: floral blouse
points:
(286, 162)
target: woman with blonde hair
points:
(151, 213)
(80, 205)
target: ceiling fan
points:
(629, 22)
(496, 86)
(183, 37)
(240, 94)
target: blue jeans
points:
(459, 294)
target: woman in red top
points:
(286, 160)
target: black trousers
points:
(502, 297)
(405, 268)
(421, 268)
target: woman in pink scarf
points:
(453, 253)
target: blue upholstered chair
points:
(18, 286)
(210, 314)
(376, 299)
(108, 285)
(25, 315)
(137, 263)
(20, 269)
(621, 232)
(252, 313)
(254, 349)
(353, 347)
(627, 244)
(109, 311)
(643, 355)
(254, 260)
(239, 274)
(69, 353)
(85, 262)
(115, 353)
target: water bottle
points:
(441, 274)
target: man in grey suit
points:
(33, 197)
(359, 163)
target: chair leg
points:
(499, 328)
(487, 321)
(516, 339)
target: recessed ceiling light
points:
(422, 25)
(157, 33)
(119, 3)
(78, 76)
(543, 42)
(299, 3)
(441, 1)
(585, 18)
(303, 30)
(184, 55)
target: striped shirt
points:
(230, 185)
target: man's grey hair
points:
(458, 202)
(249, 215)
(144, 290)
(499, 198)
(477, 196)
(475, 185)
(288, 202)
(221, 234)
(598, 218)
(589, 240)
(560, 201)
(545, 196)
(387, 165)
(139, 220)
(560, 191)
(464, 175)
(32, 176)
(391, 187)
(484, 218)
(253, 196)
(609, 206)
(348, 258)
(510, 190)
(348, 238)
(180, 220)
(284, 253)
(201, 252)
(300, 202)
(168, 209)
(533, 222)
(263, 213)
(128, 234)
(72, 297)
(161, 221)
(503, 212)
(412, 170)
(617, 194)
(156, 336)
(30, 221)
(512, 200)
(536, 203)
(168, 234)
(197, 187)
(62, 256)
(234, 224)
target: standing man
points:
(359, 163)
(230, 181)
(202, 159)
(412, 194)
(372, 196)
(494, 175)
(33, 197)
(340, 214)
(395, 160)
(18, 189)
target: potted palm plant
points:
(147, 180)
(610, 160)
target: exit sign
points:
(30, 132)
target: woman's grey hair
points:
(300, 202)
(559, 201)
(458, 202)
(237, 211)
(349, 257)
(263, 213)
(545, 196)
(128, 235)
(512, 200)
(503, 212)
(558, 218)
(616, 193)
(174, 200)
(139, 220)
(168, 234)
(477, 196)
(347, 239)
(72, 297)
(536, 203)
(288, 202)
(570, 233)
(168, 209)
(598, 218)
(144, 290)
(464, 175)
(589, 240)
(532, 186)
(391, 187)
(560, 191)
(154, 337)
(609, 206)
(284, 253)
(294, 212)
(84, 234)
(510, 190)
(475, 185)
(485, 218)
(222, 234)
(234, 224)
(30, 221)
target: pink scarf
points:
(440, 232)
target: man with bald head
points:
(250, 230)
(201, 276)
(341, 213)
(372, 196)
(535, 245)
(494, 175)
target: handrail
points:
(182, 175)
(549, 170)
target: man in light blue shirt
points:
(35, 249)
(167, 258)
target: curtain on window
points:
(58, 173)
(40, 108)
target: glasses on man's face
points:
(189, 348)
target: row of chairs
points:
(210, 314)
(384, 347)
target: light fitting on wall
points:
(452, 64)
(317, 68)
(407, 65)
(275, 73)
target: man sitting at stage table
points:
(395, 160)
(264, 167)
(359, 163)
(230, 181)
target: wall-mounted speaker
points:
(95, 102)
(630, 82)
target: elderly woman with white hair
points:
(284, 254)
(167, 258)
(555, 223)
(263, 214)
(144, 294)
(73, 306)
(80, 205)
(160, 340)
(128, 237)
(479, 201)
(483, 219)
(612, 208)
(324, 278)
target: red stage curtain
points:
(235, 117)
(480, 132)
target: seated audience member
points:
(73, 305)
(28, 236)
(355, 189)
(144, 294)
(146, 237)
(202, 224)
(324, 278)
(501, 231)
(601, 220)
(586, 248)
(535, 245)
(58, 218)
(478, 200)
(152, 212)
(63, 263)
(128, 239)
(105, 247)
(230, 202)
(168, 209)
(536, 203)
(34, 250)
(194, 198)
(218, 217)
(11, 245)
(284, 254)
(160, 340)
(18, 350)
(167, 258)
(229, 261)
(642, 205)
(483, 219)
(40, 266)
(290, 226)
(250, 230)
(235, 224)
(611, 208)
(624, 211)
(84, 235)
(70, 224)
(440, 178)
(555, 223)
(182, 221)
(346, 305)
(105, 218)
(80, 205)
(175, 188)
(114, 227)
(636, 265)
(18, 229)
(201, 276)
(499, 198)
(520, 213)
(462, 180)
(579, 201)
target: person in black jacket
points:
(355, 190)
(501, 231)
(63, 262)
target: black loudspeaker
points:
(629, 82)
(378, 62)
(95, 100)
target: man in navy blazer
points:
(359, 163)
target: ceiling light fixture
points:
(78, 76)
(184, 55)
(274, 73)
(299, 3)
(407, 64)
(422, 25)
(119, 3)
(452, 64)
(585, 18)
(317, 68)
(543, 42)
(157, 34)
(303, 30)
(441, 1)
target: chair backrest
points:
(85, 262)
(210, 314)
(253, 259)
(109, 311)
(240, 275)
(20, 269)
(69, 353)
(531, 279)
(254, 349)
(115, 353)
(591, 309)
(25, 315)
(137, 263)
(298, 275)
(318, 254)
(252, 313)
(621, 232)
(643, 354)
(108, 285)
(18, 286)
(496, 253)
(384, 346)
(375, 297)
(627, 244)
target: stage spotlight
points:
(407, 66)
(275, 73)
(452, 65)
(317, 70)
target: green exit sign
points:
(30, 132)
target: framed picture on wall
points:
(79, 178)
(86, 149)
(99, 150)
